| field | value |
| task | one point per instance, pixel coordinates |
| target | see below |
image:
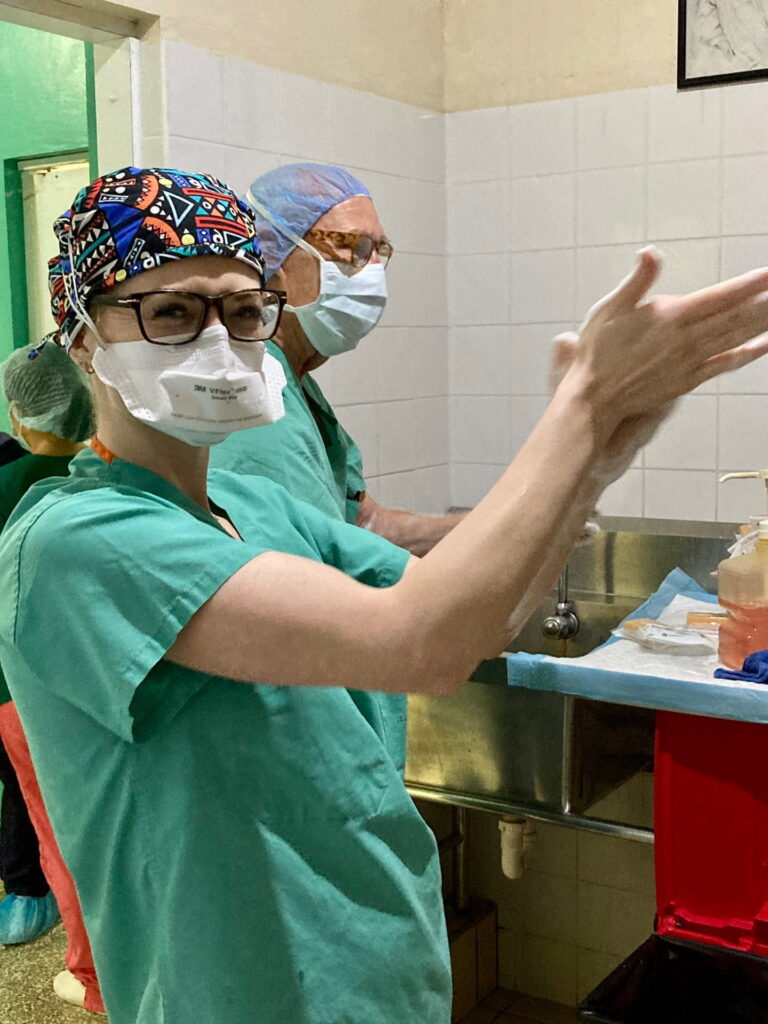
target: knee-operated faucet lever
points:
(565, 622)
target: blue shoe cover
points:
(26, 918)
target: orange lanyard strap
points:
(102, 451)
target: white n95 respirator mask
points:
(199, 392)
(350, 302)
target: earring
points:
(89, 369)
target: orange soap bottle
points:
(742, 585)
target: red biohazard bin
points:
(706, 962)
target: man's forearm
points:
(416, 533)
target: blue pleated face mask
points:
(348, 307)
(350, 302)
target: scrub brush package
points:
(656, 636)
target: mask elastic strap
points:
(282, 228)
(74, 301)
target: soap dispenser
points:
(742, 585)
(747, 537)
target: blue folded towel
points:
(755, 669)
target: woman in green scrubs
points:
(242, 843)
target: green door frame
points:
(17, 264)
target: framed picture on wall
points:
(721, 41)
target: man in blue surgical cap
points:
(323, 243)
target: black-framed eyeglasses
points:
(360, 247)
(177, 317)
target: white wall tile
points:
(737, 500)
(624, 497)
(542, 286)
(612, 129)
(743, 435)
(549, 906)
(478, 218)
(198, 155)
(395, 135)
(352, 137)
(431, 487)
(618, 863)
(553, 850)
(412, 212)
(356, 375)
(745, 196)
(429, 154)
(398, 436)
(688, 439)
(742, 253)
(684, 199)
(476, 143)
(749, 380)
(470, 482)
(247, 164)
(678, 494)
(303, 112)
(432, 431)
(542, 213)
(192, 72)
(611, 206)
(684, 125)
(611, 921)
(480, 359)
(746, 118)
(477, 290)
(480, 429)
(416, 286)
(688, 265)
(396, 357)
(530, 348)
(251, 117)
(362, 423)
(431, 357)
(599, 269)
(543, 138)
(397, 490)
(548, 970)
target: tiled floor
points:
(515, 1008)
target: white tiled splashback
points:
(392, 393)
(547, 204)
(508, 223)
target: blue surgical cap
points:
(297, 195)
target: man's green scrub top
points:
(15, 480)
(307, 451)
(314, 458)
(244, 854)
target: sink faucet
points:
(565, 622)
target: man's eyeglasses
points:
(176, 317)
(354, 248)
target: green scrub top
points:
(307, 451)
(244, 854)
(15, 480)
(314, 458)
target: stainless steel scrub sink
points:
(518, 751)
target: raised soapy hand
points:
(634, 358)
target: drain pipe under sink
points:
(516, 839)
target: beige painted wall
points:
(393, 48)
(440, 54)
(503, 52)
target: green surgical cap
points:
(46, 391)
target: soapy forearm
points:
(496, 566)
